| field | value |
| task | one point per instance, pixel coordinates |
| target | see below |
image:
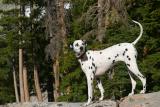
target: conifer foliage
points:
(49, 30)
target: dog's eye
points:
(76, 44)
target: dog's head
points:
(79, 47)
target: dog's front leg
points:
(90, 78)
(99, 84)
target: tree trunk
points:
(55, 25)
(21, 75)
(15, 85)
(21, 13)
(61, 21)
(37, 85)
(56, 78)
(101, 23)
(25, 81)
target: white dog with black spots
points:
(96, 63)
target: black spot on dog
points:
(90, 57)
(135, 56)
(109, 58)
(93, 72)
(128, 64)
(126, 49)
(88, 52)
(93, 64)
(113, 61)
(116, 55)
(91, 67)
(82, 63)
(100, 52)
(91, 78)
(119, 44)
(123, 53)
(139, 75)
(129, 58)
(142, 76)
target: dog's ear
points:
(71, 46)
(85, 42)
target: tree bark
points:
(61, 21)
(21, 85)
(21, 75)
(25, 82)
(101, 25)
(37, 85)
(15, 85)
(56, 78)
(56, 29)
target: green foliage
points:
(33, 42)
(73, 85)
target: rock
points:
(138, 100)
(43, 104)
(104, 103)
(142, 100)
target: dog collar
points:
(83, 57)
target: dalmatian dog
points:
(95, 63)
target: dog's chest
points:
(96, 62)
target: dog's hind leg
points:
(132, 66)
(99, 84)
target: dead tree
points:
(56, 31)
(103, 14)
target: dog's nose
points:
(81, 48)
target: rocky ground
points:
(138, 100)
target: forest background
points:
(34, 48)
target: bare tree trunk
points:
(15, 85)
(101, 23)
(25, 81)
(61, 21)
(62, 34)
(21, 75)
(37, 85)
(56, 78)
(56, 29)
(21, 85)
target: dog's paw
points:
(142, 92)
(100, 99)
(86, 104)
(130, 94)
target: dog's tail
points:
(141, 32)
